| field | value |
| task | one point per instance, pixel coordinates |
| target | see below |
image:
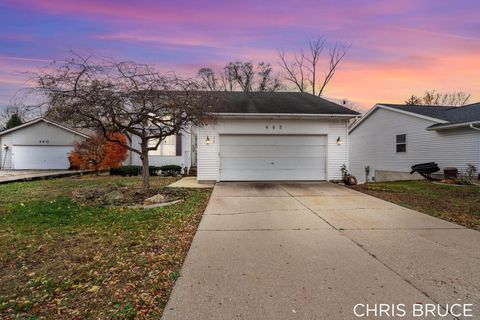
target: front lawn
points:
(459, 204)
(63, 259)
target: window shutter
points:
(178, 145)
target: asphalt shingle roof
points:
(277, 102)
(453, 115)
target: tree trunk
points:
(145, 165)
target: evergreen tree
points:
(14, 121)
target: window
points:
(401, 142)
(166, 148)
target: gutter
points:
(284, 115)
(456, 125)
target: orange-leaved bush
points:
(97, 153)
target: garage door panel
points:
(271, 151)
(273, 163)
(271, 175)
(40, 157)
(272, 157)
(272, 140)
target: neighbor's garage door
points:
(40, 157)
(266, 157)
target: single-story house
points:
(256, 136)
(37, 144)
(391, 138)
(259, 136)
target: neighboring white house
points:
(260, 136)
(37, 144)
(391, 138)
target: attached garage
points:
(280, 136)
(40, 144)
(272, 157)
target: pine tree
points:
(14, 121)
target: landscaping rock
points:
(158, 198)
(114, 197)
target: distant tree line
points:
(433, 98)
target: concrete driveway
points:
(314, 251)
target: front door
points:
(194, 149)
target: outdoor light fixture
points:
(339, 141)
(207, 140)
(5, 147)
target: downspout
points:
(475, 128)
(5, 147)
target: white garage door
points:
(268, 158)
(40, 157)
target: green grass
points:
(459, 204)
(60, 259)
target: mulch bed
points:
(122, 195)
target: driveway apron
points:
(315, 251)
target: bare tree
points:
(294, 71)
(242, 75)
(303, 69)
(433, 98)
(267, 82)
(228, 79)
(316, 47)
(352, 105)
(124, 97)
(413, 101)
(208, 79)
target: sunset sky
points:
(398, 48)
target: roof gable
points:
(443, 116)
(32, 122)
(398, 110)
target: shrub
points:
(471, 172)
(171, 170)
(153, 170)
(127, 171)
(468, 176)
(97, 153)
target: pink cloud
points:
(394, 82)
(398, 47)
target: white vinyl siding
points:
(373, 143)
(36, 134)
(209, 158)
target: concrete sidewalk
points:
(7, 176)
(314, 251)
(190, 183)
